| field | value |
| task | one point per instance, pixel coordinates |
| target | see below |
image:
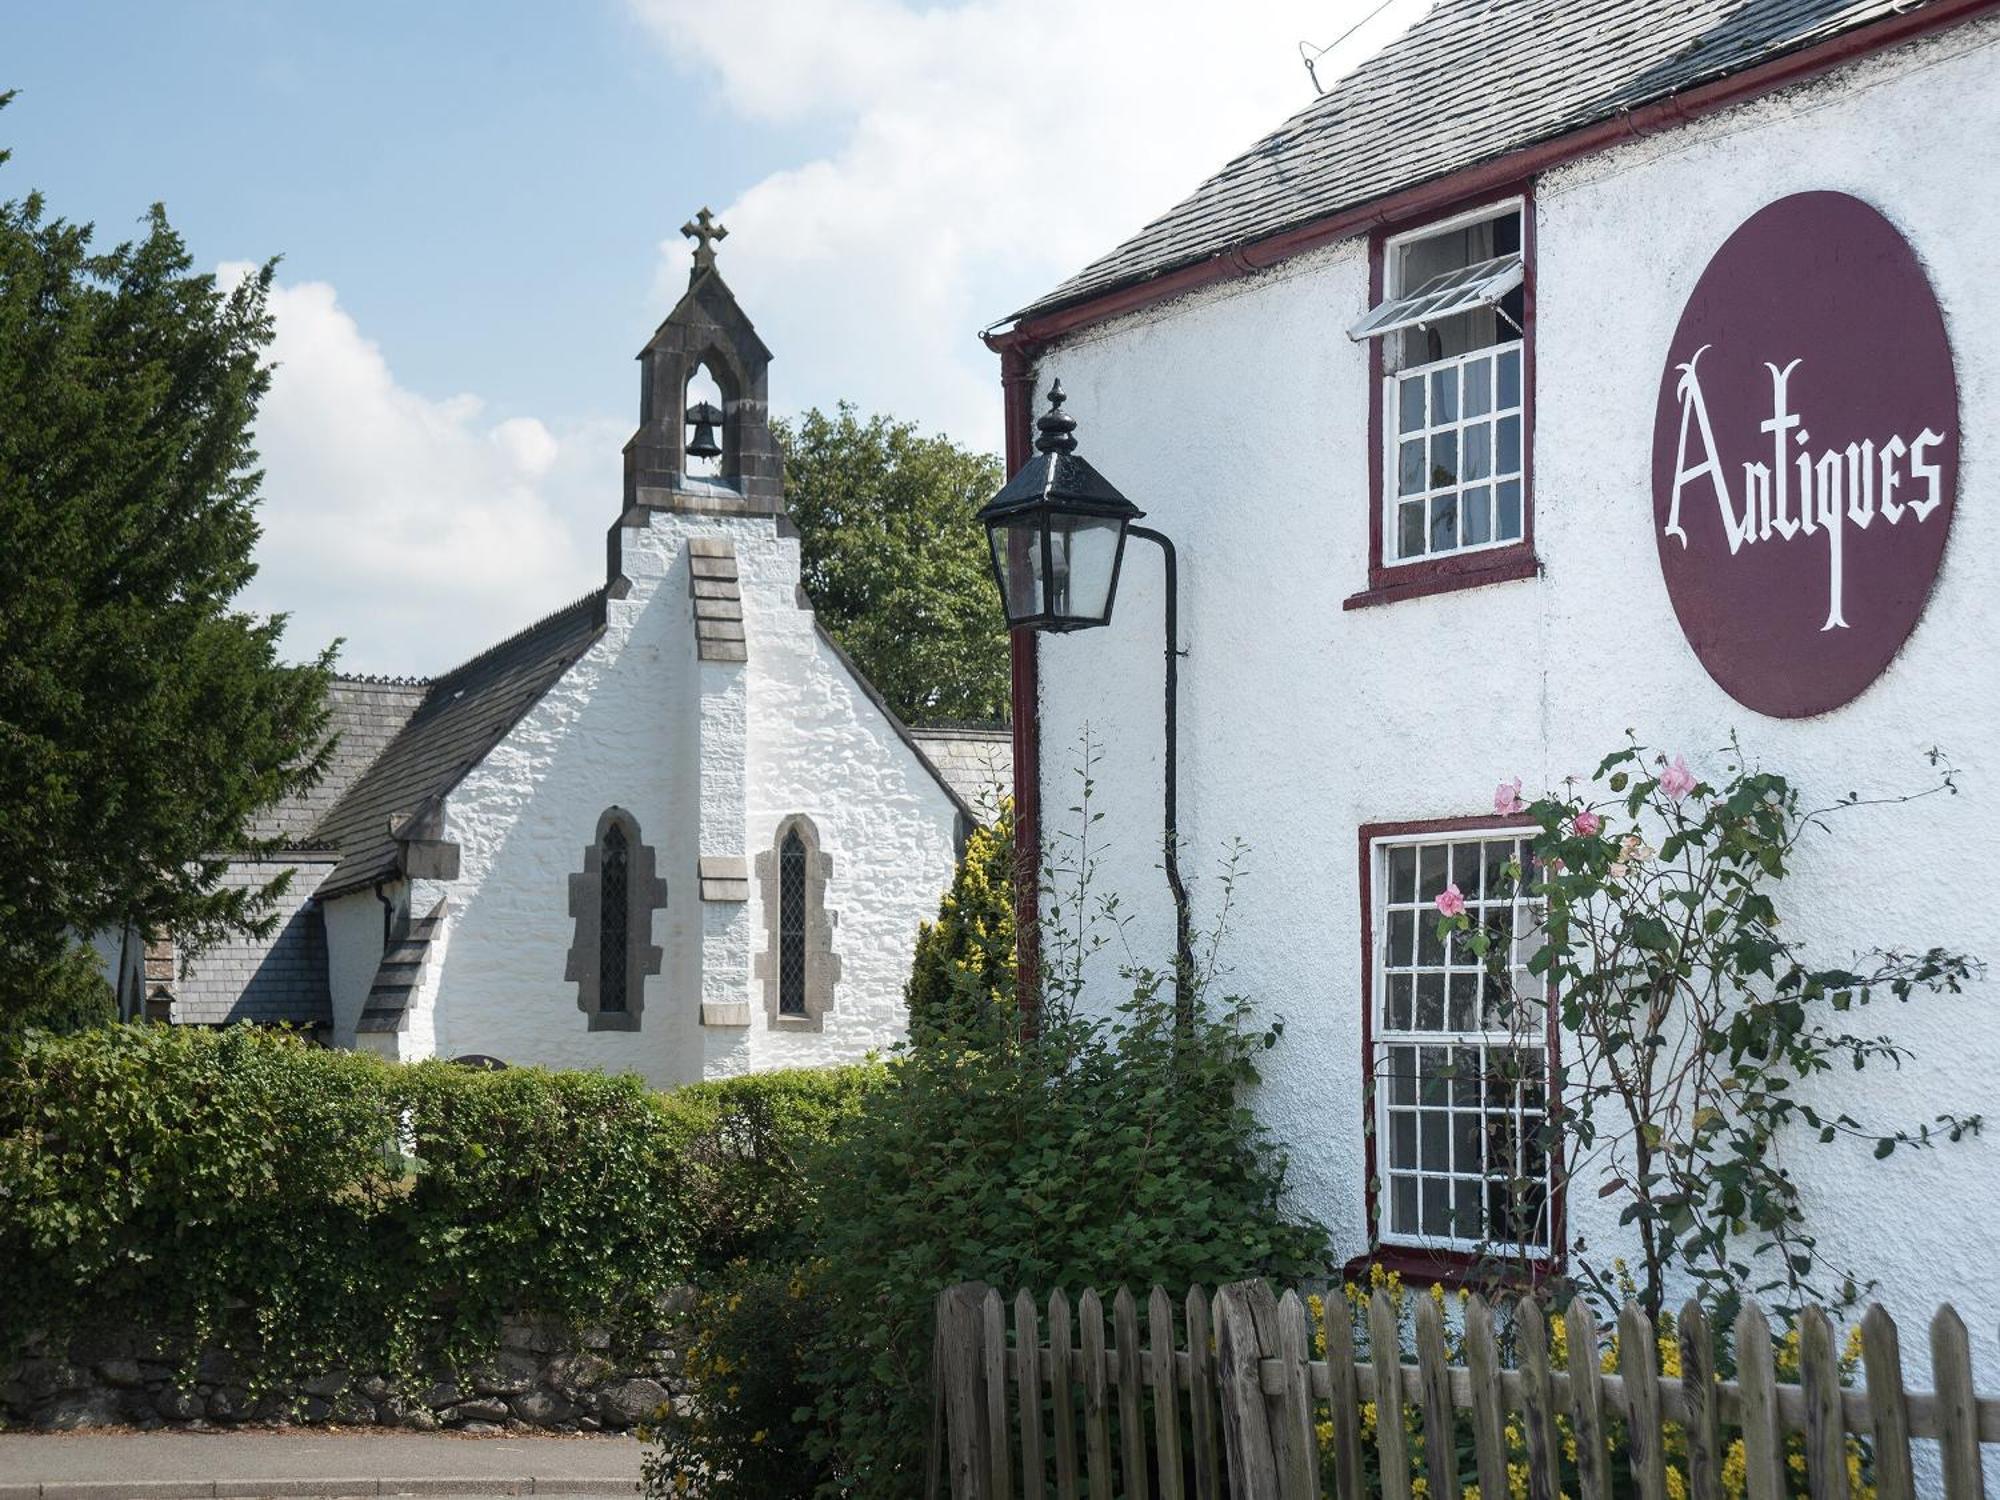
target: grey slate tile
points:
(1471, 81)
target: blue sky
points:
(477, 207)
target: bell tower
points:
(680, 436)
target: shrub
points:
(744, 1435)
(1090, 1152)
(310, 1210)
(964, 967)
(65, 994)
(740, 1148)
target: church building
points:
(669, 829)
(1561, 371)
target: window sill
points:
(1417, 580)
(1450, 1268)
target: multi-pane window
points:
(792, 925)
(1460, 1059)
(1458, 453)
(1453, 333)
(614, 916)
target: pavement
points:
(237, 1465)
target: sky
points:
(476, 206)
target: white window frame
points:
(1383, 1038)
(1393, 373)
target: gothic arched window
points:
(613, 900)
(798, 965)
(792, 925)
(614, 917)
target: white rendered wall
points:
(624, 726)
(354, 925)
(1238, 418)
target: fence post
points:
(1246, 1426)
(961, 1315)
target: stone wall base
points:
(542, 1377)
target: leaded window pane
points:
(614, 917)
(792, 925)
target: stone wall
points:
(541, 1377)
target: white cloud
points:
(413, 527)
(974, 156)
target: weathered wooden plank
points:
(1639, 1363)
(1586, 1402)
(1096, 1413)
(1061, 1397)
(1703, 1422)
(1028, 1392)
(959, 1325)
(1819, 1378)
(1246, 1429)
(1166, 1393)
(1131, 1397)
(993, 1358)
(1297, 1452)
(1888, 1419)
(1204, 1400)
(1385, 1358)
(1756, 1383)
(1343, 1395)
(1951, 1378)
(1434, 1395)
(1483, 1397)
(1538, 1416)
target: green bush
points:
(64, 994)
(311, 1210)
(745, 1435)
(741, 1148)
(1091, 1153)
(963, 974)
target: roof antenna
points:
(1309, 54)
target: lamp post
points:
(1058, 532)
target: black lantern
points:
(704, 419)
(1058, 534)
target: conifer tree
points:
(143, 719)
(963, 974)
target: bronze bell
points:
(703, 418)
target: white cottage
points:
(669, 829)
(1564, 369)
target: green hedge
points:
(309, 1209)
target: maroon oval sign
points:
(1805, 454)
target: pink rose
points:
(1588, 825)
(1507, 798)
(1451, 902)
(1677, 780)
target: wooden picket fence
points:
(1233, 1396)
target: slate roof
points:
(1471, 81)
(976, 762)
(463, 715)
(365, 713)
(281, 978)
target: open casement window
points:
(1459, 1051)
(798, 966)
(1450, 340)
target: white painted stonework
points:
(1238, 418)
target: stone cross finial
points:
(705, 230)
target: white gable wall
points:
(1238, 419)
(625, 726)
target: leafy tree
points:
(894, 562)
(964, 967)
(143, 721)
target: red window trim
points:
(1412, 1262)
(1386, 583)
